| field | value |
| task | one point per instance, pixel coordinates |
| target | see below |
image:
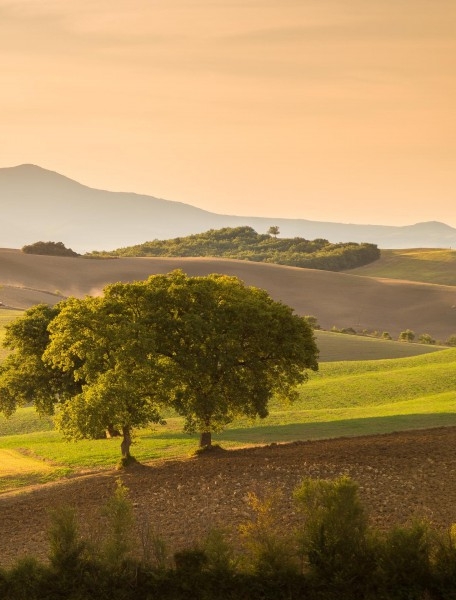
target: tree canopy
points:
(209, 347)
(49, 248)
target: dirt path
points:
(401, 476)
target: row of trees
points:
(210, 347)
(246, 244)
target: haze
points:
(340, 110)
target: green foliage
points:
(210, 347)
(49, 248)
(333, 537)
(118, 541)
(245, 244)
(404, 561)
(425, 338)
(66, 546)
(268, 550)
(451, 341)
(407, 335)
(24, 377)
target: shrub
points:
(334, 540)
(66, 546)
(404, 562)
(269, 550)
(118, 542)
(451, 341)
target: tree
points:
(425, 338)
(312, 321)
(106, 344)
(234, 348)
(274, 230)
(451, 341)
(407, 336)
(24, 376)
(210, 347)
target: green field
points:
(418, 264)
(342, 399)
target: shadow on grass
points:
(268, 433)
(332, 429)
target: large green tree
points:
(234, 348)
(210, 347)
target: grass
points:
(342, 399)
(427, 265)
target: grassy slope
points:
(418, 264)
(344, 398)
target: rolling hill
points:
(38, 204)
(336, 299)
(429, 265)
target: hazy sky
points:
(341, 110)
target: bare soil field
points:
(338, 299)
(402, 476)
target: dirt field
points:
(334, 298)
(401, 476)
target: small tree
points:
(386, 336)
(274, 230)
(312, 321)
(425, 338)
(407, 336)
(451, 341)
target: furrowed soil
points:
(402, 476)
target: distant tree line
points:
(246, 244)
(49, 248)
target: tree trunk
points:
(126, 442)
(206, 439)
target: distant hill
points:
(41, 205)
(245, 243)
(337, 299)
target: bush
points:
(404, 562)
(334, 540)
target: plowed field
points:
(401, 476)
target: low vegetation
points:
(246, 244)
(427, 265)
(333, 554)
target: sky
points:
(331, 110)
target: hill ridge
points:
(86, 219)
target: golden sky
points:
(334, 110)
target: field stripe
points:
(13, 463)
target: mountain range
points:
(42, 205)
